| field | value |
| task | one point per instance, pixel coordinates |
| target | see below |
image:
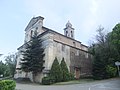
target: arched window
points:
(71, 34)
(66, 33)
(31, 33)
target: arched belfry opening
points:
(69, 30)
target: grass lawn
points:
(75, 82)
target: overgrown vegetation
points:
(106, 51)
(7, 85)
(7, 69)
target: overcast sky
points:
(85, 16)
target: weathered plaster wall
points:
(61, 51)
(81, 60)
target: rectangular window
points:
(63, 47)
(77, 52)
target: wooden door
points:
(77, 73)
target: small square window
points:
(36, 28)
(74, 43)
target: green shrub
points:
(65, 72)
(111, 71)
(7, 85)
(47, 80)
(71, 76)
(56, 71)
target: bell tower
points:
(68, 30)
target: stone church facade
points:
(65, 46)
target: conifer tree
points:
(55, 71)
(33, 55)
(105, 53)
(65, 72)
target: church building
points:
(65, 46)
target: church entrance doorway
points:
(77, 72)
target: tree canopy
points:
(115, 41)
(8, 67)
(11, 61)
(105, 53)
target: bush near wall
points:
(111, 71)
(51, 80)
(58, 73)
(48, 80)
(71, 76)
(7, 85)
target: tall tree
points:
(56, 72)
(11, 63)
(65, 72)
(33, 56)
(2, 68)
(102, 53)
(115, 41)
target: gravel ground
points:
(110, 84)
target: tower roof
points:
(68, 24)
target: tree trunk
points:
(34, 75)
(26, 75)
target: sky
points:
(85, 16)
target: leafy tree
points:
(11, 63)
(103, 55)
(115, 41)
(65, 72)
(33, 55)
(99, 62)
(2, 68)
(56, 72)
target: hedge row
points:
(7, 85)
(50, 80)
